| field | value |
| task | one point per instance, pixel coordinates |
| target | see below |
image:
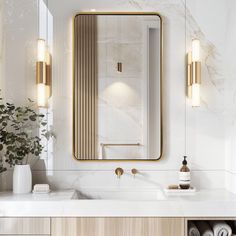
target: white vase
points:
(22, 179)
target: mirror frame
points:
(75, 155)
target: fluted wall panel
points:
(85, 87)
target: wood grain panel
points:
(117, 227)
(85, 87)
(24, 226)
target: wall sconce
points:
(43, 74)
(194, 74)
(119, 67)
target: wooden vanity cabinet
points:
(24, 226)
(99, 226)
(117, 226)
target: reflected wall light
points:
(194, 73)
(119, 67)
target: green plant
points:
(18, 134)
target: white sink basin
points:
(139, 195)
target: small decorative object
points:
(41, 189)
(175, 190)
(184, 175)
(173, 186)
(19, 142)
(22, 179)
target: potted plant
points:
(19, 142)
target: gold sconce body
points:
(40, 72)
(189, 75)
(49, 73)
(194, 74)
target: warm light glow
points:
(196, 95)
(47, 57)
(189, 91)
(93, 10)
(47, 87)
(41, 50)
(42, 95)
(195, 50)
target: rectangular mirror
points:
(117, 102)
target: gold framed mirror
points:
(117, 86)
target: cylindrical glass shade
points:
(42, 95)
(195, 50)
(41, 50)
(196, 95)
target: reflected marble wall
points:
(120, 94)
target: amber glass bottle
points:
(184, 175)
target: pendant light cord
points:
(38, 19)
(47, 39)
(185, 99)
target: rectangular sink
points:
(61, 195)
(139, 195)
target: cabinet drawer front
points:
(117, 227)
(24, 226)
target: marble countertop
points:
(204, 203)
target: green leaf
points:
(32, 118)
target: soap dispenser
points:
(184, 175)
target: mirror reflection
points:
(117, 87)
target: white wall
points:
(19, 34)
(1, 45)
(205, 125)
(230, 97)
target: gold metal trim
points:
(119, 144)
(161, 86)
(119, 172)
(196, 72)
(134, 171)
(119, 67)
(40, 72)
(49, 72)
(189, 75)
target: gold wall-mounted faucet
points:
(119, 172)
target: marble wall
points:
(19, 29)
(205, 126)
(1, 45)
(230, 97)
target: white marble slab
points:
(206, 203)
(52, 196)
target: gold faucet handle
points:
(134, 171)
(119, 171)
